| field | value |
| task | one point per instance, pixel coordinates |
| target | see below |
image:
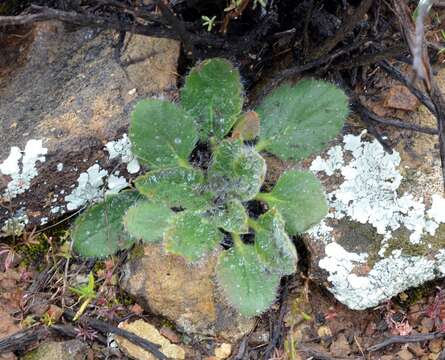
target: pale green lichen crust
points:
(21, 167)
(407, 246)
(96, 182)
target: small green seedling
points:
(47, 320)
(193, 208)
(263, 3)
(208, 22)
(86, 294)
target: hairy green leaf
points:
(192, 235)
(245, 283)
(99, 231)
(232, 217)
(147, 221)
(297, 121)
(161, 133)
(272, 244)
(175, 187)
(299, 197)
(236, 171)
(212, 95)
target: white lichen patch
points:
(436, 215)
(116, 184)
(321, 232)
(55, 209)
(440, 258)
(15, 225)
(92, 186)
(334, 161)
(21, 167)
(369, 193)
(89, 188)
(122, 149)
(387, 278)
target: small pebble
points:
(405, 354)
(223, 351)
(435, 346)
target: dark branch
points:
(154, 29)
(405, 340)
(422, 67)
(75, 18)
(419, 94)
(105, 328)
(373, 58)
(349, 24)
(392, 122)
(22, 340)
(178, 26)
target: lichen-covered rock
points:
(65, 99)
(185, 294)
(62, 350)
(385, 231)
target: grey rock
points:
(64, 350)
(385, 231)
(69, 89)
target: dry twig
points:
(405, 340)
(393, 122)
(422, 66)
(349, 24)
(106, 329)
(22, 340)
(155, 29)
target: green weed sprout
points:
(86, 294)
(192, 209)
(208, 22)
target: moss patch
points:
(437, 241)
(400, 241)
(363, 238)
(416, 294)
(137, 252)
(356, 237)
(33, 253)
(410, 179)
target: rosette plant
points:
(197, 208)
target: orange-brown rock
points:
(185, 294)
